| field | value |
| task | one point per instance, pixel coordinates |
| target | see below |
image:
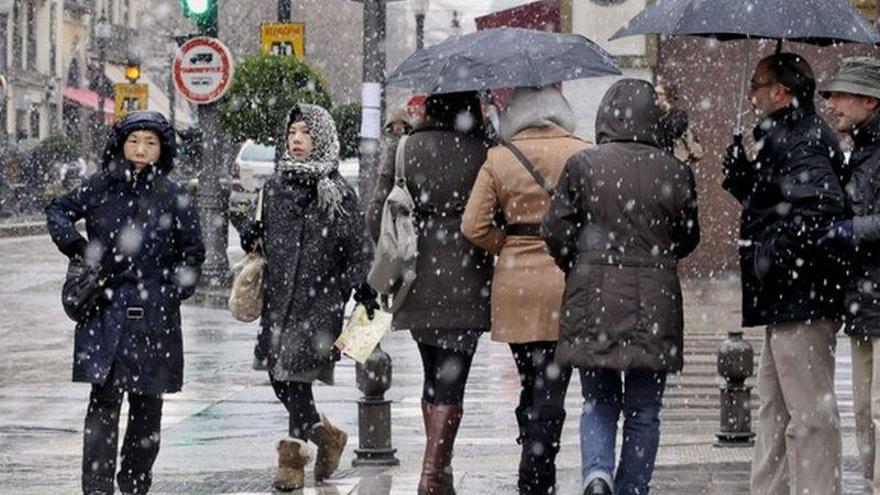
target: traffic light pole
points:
(373, 98)
(284, 14)
(213, 197)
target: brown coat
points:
(527, 286)
(623, 213)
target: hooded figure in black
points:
(144, 240)
(316, 252)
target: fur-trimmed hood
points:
(536, 107)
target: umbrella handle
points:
(741, 95)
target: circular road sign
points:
(203, 70)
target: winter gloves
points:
(735, 161)
(365, 295)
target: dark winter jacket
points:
(791, 195)
(313, 260)
(862, 304)
(144, 234)
(451, 289)
(623, 214)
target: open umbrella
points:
(817, 22)
(502, 58)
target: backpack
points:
(394, 265)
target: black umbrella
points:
(502, 58)
(817, 22)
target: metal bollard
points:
(374, 412)
(735, 364)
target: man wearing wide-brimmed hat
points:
(853, 95)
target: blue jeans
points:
(607, 393)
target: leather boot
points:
(293, 455)
(331, 442)
(537, 467)
(441, 427)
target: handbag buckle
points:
(134, 313)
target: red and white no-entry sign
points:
(203, 70)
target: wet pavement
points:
(219, 433)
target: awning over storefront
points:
(88, 99)
(158, 99)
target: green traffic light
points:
(198, 6)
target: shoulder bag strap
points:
(400, 162)
(531, 168)
(259, 215)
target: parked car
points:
(256, 162)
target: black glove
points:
(841, 235)
(251, 235)
(77, 249)
(366, 296)
(735, 160)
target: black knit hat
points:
(142, 121)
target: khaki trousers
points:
(798, 446)
(866, 402)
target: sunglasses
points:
(756, 85)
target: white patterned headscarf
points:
(323, 161)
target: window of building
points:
(4, 23)
(31, 26)
(123, 12)
(53, 39)
(867, 7)
(35, 122)
(16, 36)
(21, 125)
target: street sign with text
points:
(203, 70)
(130, 97)
(283, 39)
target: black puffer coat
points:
(313, 261)
(144, 233)
(791, 195)
(863, 290)
(622, 215)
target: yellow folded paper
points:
(361, 336)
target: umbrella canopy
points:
(818, 22)
(502, 58)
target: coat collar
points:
(868, 134)
(551, 131)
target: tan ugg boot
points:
(293, 455)
(331, 442)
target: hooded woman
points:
(144, 240)
(316, 251)
(527, 286)
(447, 308)
(622, 215)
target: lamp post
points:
(420, 8)
(283, 10)
(102, 33)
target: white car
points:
(256, 162)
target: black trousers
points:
(299, 401)
(100, 440)
(446, 373)
(544, 383)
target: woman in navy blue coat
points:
(145, 241)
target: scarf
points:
(331, 192)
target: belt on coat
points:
(611, 259)
(523, 229)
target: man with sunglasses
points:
(791, 196)
(853, 97)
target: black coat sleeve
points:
(816, 200)
(564, 220)
(357, 250)
(686, 227)
(63, 213)
(188, 269)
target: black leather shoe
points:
(597, 487)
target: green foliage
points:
(348, 126)
(57, 149)
(263, 90)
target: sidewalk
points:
(219, 433)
